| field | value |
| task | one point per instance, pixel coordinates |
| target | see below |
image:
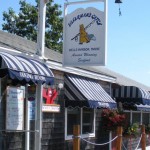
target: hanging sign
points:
(14, 108)
(54, 108)
(85, 37)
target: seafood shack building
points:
(78, 96)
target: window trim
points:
(69, 137)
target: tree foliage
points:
(25, 22)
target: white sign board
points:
(14, 108)
(51, 108)
(85, 37)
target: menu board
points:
(14, 108)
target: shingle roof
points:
(8, 40)
(123, 80)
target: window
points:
(87, 121)
(146, 118)
(138, 117)
(85, 117)
(73, 118)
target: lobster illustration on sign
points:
(84, 37)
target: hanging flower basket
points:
(111, 119)
(132, 131)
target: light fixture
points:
(118, 1)
(60, 85)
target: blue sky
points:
(128, 41)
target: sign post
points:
(40, 52)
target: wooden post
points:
(119, 139)
(143, 139)
(76, 139)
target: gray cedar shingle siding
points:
(53, 127)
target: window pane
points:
(87, 121)
(73, 118)
(136, 117)
(146, 118)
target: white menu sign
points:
(14, 108)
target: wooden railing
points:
(76, 138)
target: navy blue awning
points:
(24, 69)
(132, 96)
(86, 92)
(142, 107)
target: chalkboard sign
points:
(14, 108)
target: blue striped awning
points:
(142, 107)
(86, 92)
(24, 69)
(132, 96)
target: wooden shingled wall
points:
(53, 123)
